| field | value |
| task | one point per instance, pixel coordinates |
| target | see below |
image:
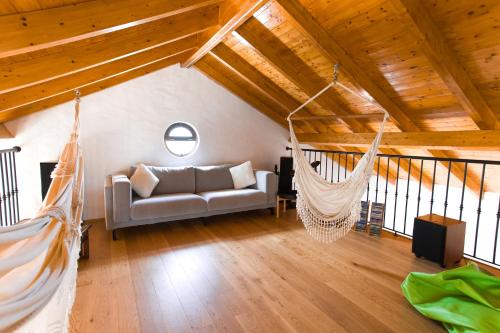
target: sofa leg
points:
(271, 209)
(204, 219)
(114, 234)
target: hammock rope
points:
(328, 211)
(38, 256)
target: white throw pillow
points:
(243, 175)
(143, 181)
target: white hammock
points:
(38, 257)
(328, 211)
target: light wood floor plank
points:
(245, 272)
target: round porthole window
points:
(181, 139)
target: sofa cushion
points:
(167, 205)
(212, 178)
(143, 181)
(234, 199)
(173, 179)
(243, 175)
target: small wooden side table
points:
(84, 241)
(283, 198)
(439, 239)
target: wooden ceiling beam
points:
(444, 60)
(48, 89)
(292, 67)
(295, 70)
(260, 82)
(449, 140)
(39, 66)
(92, 87)
(216, 71)
(42, 29)
(233, 13)
(336, 54)
(247, 72)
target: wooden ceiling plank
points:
(39, 66)
(291, 66)
(294, 69)
(450, 140)
(42, 29)
(91, 88)
(247, 72)
(260, 82)
(445, 62)
(61, 85)
(336, 54)
(233, 13)
(215, 71)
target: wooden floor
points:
(246, 272)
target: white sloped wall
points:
(125, 124)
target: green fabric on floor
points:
(465, 299)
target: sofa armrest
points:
(122, 198)
(108, 202)
(267, 182)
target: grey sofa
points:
(184, 193)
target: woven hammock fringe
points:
(326, 230)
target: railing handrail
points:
(414, 157)
(15, 149)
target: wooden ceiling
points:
(434, 65)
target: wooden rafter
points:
(259, 81)
(444, 61)
(39, 66)
(43, 29)
(289, 64)
(93, 87)
(213, 69)
(284, 60)
(105, 77)
(232, 15)
(449, 140)
(93, 74)
(336, 54)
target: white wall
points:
(125, 124)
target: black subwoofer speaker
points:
(439, 239)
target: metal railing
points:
(407, 191)
(9, 201)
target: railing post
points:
(407, 195)
(396, 197)
(376, 184)
(479, 208)
(496, 233)
(333, 164)
(386, 183)
(447, 189)
(338, 171)
(420, 186)
(433, 183)
(463, 191)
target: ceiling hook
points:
(336, 72)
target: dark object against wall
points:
(286, 176)
(439, 239)
(46, 169)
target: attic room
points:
(249, 166)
